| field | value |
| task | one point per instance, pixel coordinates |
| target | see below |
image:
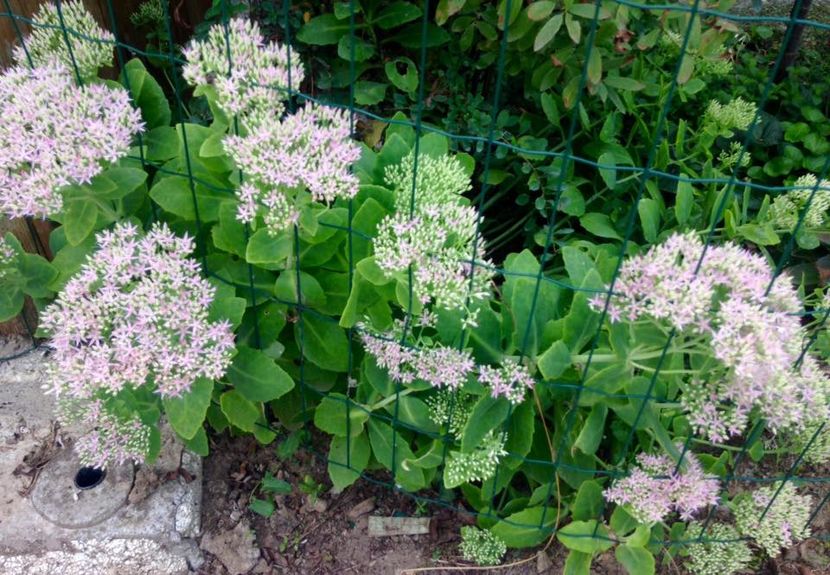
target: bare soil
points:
(328, 534)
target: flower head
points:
(734, 156)
(112, 437)
(774, 521)
(720, 552)
(434, 233)
(251, 77)
(510, 380)
(787, 208)
(480, 546)
(441, 367)
(729, 301)
(656, 488)
(136, 314)
(309, 150)
(477, 465)
(70, 35)
(445, 367)
(813, 441)
(738, 114)
(8, 257)
(54, 133)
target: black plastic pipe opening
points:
(89, 477)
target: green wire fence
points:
(490, 143)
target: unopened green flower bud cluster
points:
(787, 208)
(434, 232)
(148, 13)
(454, 412)
(71, 36)
(720, 552)
(736, 115)
(480, 546)
(477, 465)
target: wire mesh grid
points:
(244, 277)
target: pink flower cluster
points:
(509, 380)
(54, 133)
(136, 314)
(278, 156)
(654, 489)
(250, 76)
(444, 367)
(311, 149)
(755, 336)
(113, 438)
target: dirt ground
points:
(327, 534)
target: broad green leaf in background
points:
(363, 50)
(323, 342)
(585, 536)
(258, 377)
(599, 225)
(368, 93)
(406, 81)
(187, 413)
(649, 213)
(555, 360)
(547, 32)
(396, 14)
(146, 93)
(578, 563)
(323, 30)
(382, 437)
(488, 414)
(333, 412)
(240, 412)
(684, 202)
(348, 457)
(522, 529)
(636, 560)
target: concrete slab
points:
(140, 521)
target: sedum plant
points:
(725, 305)
(350, 286)
(720, 551)
(774, 517)
(134, 321)
(244, 77)
(56, 135)
(67, 33)
(657, 488)
(481, 547)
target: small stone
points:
(543, 564)
(235, 549)
(319, 505)
(186, 520)
(362, 508)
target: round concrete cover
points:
(57, 499)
